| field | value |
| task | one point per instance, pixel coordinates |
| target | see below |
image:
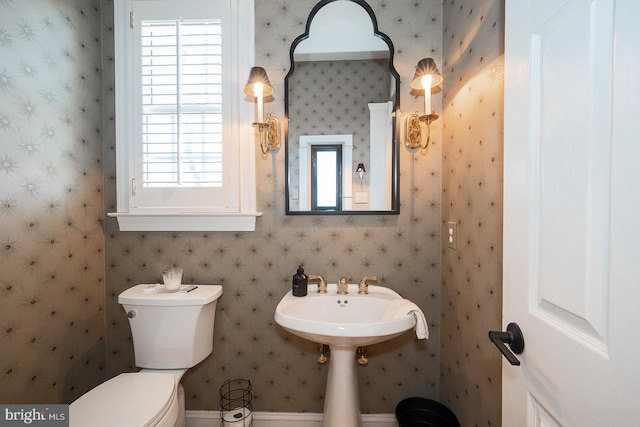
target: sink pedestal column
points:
(341, 400)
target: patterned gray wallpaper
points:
(51, 242)
(471, 301)
(256, 268)
(58, 334)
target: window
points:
(181, 163)
(181, 102)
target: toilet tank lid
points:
(144, 295)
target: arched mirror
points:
(341, 96)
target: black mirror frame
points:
(395, 187)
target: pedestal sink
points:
(346, 322)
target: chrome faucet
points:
(343, 286)
(322, 284)
(363, 286)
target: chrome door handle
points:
(513, 337)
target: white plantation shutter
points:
(185, 149)
(182, 73)
(182, 103)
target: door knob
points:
(513, 337)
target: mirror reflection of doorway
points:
(307, 144)
(326, 177)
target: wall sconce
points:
(426, 77)
(360, 170)
(258, 86)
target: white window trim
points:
(242, 12)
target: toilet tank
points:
(171, 330)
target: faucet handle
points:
(363, 286)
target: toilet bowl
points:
(137, 399)
(171, 332)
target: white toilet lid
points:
(128, 400)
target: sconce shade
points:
(360, 168)
(425, 67)
(258, 75)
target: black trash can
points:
(422, 412)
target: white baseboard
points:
(285, 419)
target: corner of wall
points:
(471, 298)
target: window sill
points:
(186, 221)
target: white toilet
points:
(172, 332)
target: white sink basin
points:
(346, 322)
(350, 320)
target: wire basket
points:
(235, 403)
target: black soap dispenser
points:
(300, 281)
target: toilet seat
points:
(128, 400)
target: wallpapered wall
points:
(51, 242)
(471, 301)
(255, 268)
(338, 103)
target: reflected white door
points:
(572, 212)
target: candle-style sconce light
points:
(425, 78)
(258, 86)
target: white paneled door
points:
(572, 212)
